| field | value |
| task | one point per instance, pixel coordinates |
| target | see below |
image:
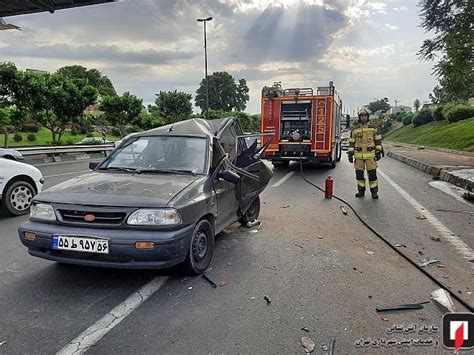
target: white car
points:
(19, 183)
(345, 139)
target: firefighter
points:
(365, 146)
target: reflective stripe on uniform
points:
(361, 183)
(352, 140)
(378, 147)
(350, 149)
(378, 137)
(364, 156)
(373, 184)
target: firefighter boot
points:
(374, 192)
(361, 192)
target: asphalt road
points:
(321, 269)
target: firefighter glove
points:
(378, 156)
(350, 156)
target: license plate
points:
(88, 245)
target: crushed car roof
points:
(194, 127)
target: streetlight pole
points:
(204, 20)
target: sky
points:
(366, 47)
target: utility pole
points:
(204, 20)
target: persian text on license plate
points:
(89, 245)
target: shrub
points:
(89, 135)
(115, 132)
(31, 137)
(438, 113)
(422, 117)
(458, 112)
(17, 137)
(70, 141)
(407, 120)
(74, 131)
(30, 126)
(83, 129)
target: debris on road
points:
(420, 216)
(320, 237)
(308, 344)
(426, 262)
(252, 223)
(268, 299)
(224, 283)
(441, 265)
(325, 347)
(252, 298)
(297, 245)
(270, 268)
(370, 252)
(442, 297)
(286, 206)
(305, 329)
(344, 212)
(385, 319)
(190, 288)
(3, 343)
(401, 307)
(398, 245)
(435, 238)
(213, 284)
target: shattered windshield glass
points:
(161, 154)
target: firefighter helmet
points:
(364, 111)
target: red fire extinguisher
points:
(329, 186)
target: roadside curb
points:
(443, 174)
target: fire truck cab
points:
(305, 126)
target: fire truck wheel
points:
(252, 213)
(281, 163)
(338, 152)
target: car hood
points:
(118, 189)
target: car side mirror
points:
(229, 176)
(93, 165)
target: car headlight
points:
(148, 217)
(42, 211)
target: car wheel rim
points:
(200, 246)
(21, 197)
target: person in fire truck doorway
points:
(365, 146)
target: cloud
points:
(111, 53)
(391, 27)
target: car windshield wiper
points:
(165, 171)
(119, 168)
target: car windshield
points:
(160, 154)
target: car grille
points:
(108, 218)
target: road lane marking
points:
(450, 189)
(283, 179)
(64, 174)
(99, 329)
(460, 246)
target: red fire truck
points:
(305, 126)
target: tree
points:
(121, 111)
(59, 101)
(224, 93)
(416, 104)
(173, 106)
(93, 76)
(381, 105)
(453, 43)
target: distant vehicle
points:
(156, 201)
(345, 139)
(11, 154)
(19, 183)
(305, 125)
(93, 140)
(117, 143)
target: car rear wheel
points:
(18, 197)
(252, 213)
(201, 249)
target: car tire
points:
(18, 197)
(338, 152)
(252, 212)
(201, 249)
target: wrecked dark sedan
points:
(156, 201)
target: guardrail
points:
(58, 150)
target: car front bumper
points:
(170, 247)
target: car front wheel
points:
(201, 248)
(252, 213)
(18, 197)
